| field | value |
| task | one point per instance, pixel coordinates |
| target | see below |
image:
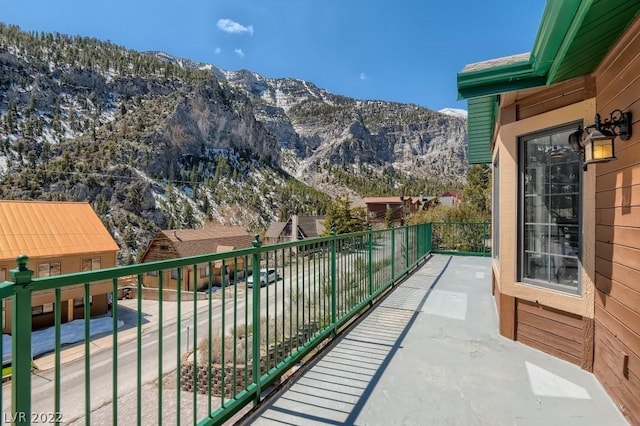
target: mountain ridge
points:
(153, 141)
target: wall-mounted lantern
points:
(595, 143)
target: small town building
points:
(177, 243)
(394, 210)
(59, 238)
(304, 226)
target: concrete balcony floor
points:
(430, 354)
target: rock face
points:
(325, 128)
(154, 141)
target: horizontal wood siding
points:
(620, 378)
(617, 274)
(550, 330)
(558, 96)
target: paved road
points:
(300, 284)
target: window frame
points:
(521, 199)
(495, 212)
(92, 264)
(49, 266)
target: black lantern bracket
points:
(595, 143)
(618, 124)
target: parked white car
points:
(266, 276)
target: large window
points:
(550, 226)
(495, 212)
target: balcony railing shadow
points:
(352, 368)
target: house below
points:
(178, 243)
(396, 210)
(59, 238)
(304, 226)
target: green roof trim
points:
(482, 115)
(573, 38)
(597, 28)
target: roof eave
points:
(558, 19)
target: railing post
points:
(256, 316)
(333, 283)
(429, 237)
(484, 238)
(21, 343)
(406, 247)
(370, 277)
(393, 254)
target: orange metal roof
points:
(51, 228)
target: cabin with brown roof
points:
(305, 227)
(59, 238)
(399, 209)
(177, 243)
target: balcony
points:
(394, 316)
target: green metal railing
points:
(462, 238)
(197, 342)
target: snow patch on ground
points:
(43, 341)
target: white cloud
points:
(217, 51)
(232, 27)
(239, 52)
(363, 76)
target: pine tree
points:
(477, 193)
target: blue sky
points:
(402, 50)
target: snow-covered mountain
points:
(154, 141)
(456, 112)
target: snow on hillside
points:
(454, 111)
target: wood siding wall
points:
(68, 264)
(617, 223)
(162, 248)
(558, 333)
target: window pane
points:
(536, 152)
(535, 210)
(54, 268)
(86, 265)
(564, 270)
(536, 238)
(95, 263)
(43, 270)
(550, 221)
(536, 266)
(564, 209)
(495, 242)
(3, 274)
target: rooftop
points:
(48, 228)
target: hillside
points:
(157, 142)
